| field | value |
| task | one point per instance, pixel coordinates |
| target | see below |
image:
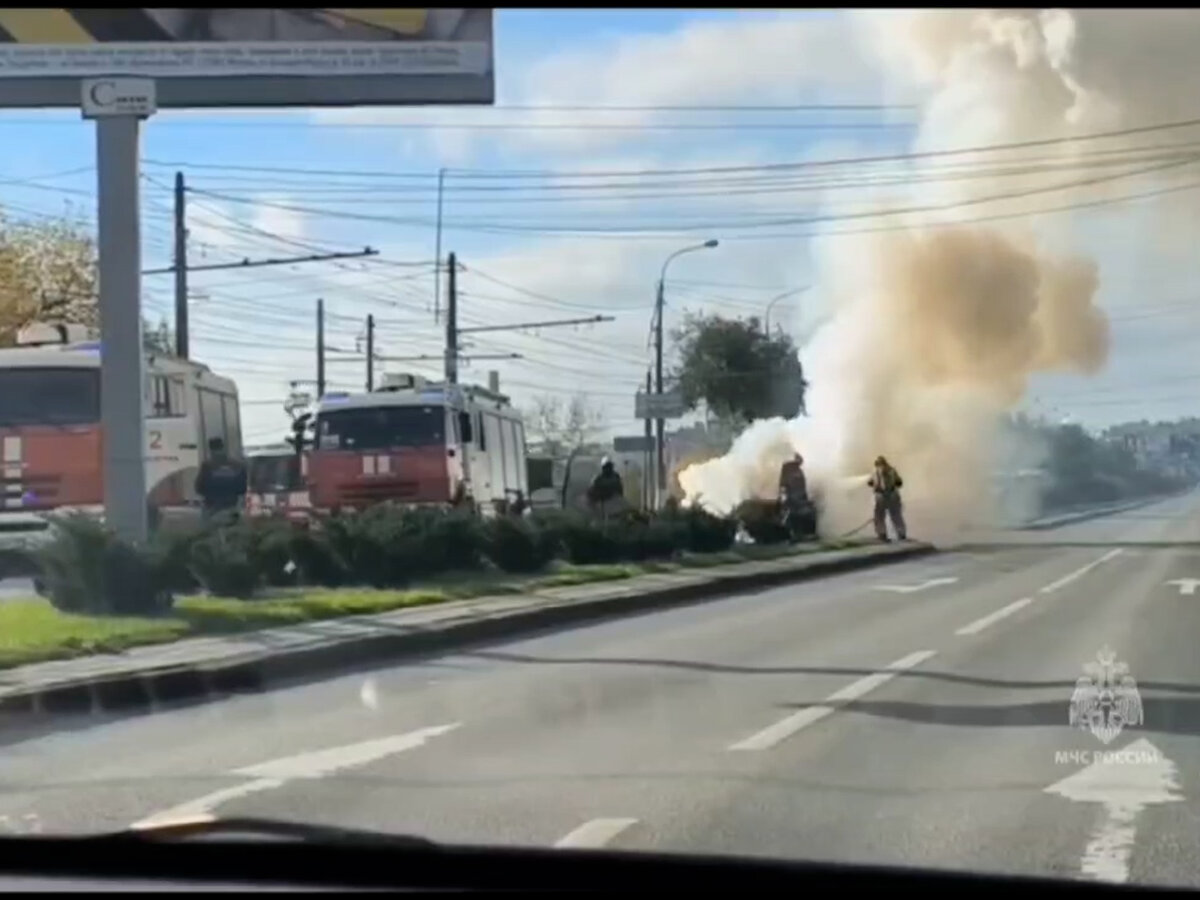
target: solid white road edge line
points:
(1080, 572)
(785, 728)
(595, 834)
(992, 618)
(277, 772)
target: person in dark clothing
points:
(793, 484)
(606, 486)
(221, 481)
(798, 512)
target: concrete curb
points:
(1045, 524)
(256, 671)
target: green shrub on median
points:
(382, 547)
(519, 546)
(86, 568)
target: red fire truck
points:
(417, 442)
(51, 440)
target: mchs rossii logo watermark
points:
(1106, 701)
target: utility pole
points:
(320, 349)
(370, 353)
(181, 269)
(660, 471)
(648, 456)
(452, 319)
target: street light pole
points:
(659, 422)
(773, 301)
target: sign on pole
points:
(251, 57)
(668, 405)
(637, 443)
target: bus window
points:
(491, 427)
(512, 473)
(212, 419)
(166, 397)
(522, 457)
(233, 424)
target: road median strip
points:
(175, 659)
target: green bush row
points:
(85, 568)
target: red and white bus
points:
(417, 442)
(50, 436)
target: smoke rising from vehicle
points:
(939, 325)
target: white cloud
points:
(761, 58)
(277, 215)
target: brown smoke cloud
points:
(955, 322)
(939, 327)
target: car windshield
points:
(769, 432)
(49, 396)
(382, 428)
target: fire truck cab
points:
(417, 442)
(50, 435)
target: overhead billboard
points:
(252, 57)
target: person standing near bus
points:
(221, 481)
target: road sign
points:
(251, 57)
(118, 97)
(637, 443)
(668, 405)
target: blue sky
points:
(254, 199)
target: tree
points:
(737, 371)
(47, 272)
(564, 426)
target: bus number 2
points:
(156, 440)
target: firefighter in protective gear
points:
(886, 482)
(798, 513)
(793, 484)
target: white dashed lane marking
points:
(595, 833)
(278, 772)
(785, 728)
(992, 618)
(1017, 605)
(1080, 572)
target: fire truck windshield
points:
(49, 396)
(381, 428)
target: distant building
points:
(1169, 447)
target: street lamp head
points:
(712, 242)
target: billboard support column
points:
(118, 105)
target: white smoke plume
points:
(939, 325)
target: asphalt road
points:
(916, 714)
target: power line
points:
(710, 225)
(781, 166)
(722, 189)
